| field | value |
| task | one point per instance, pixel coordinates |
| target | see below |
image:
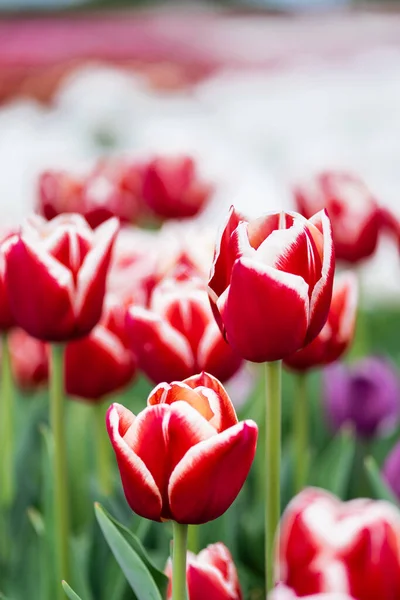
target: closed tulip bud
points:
(29, 360)
(281, 592)
(365, 395)
(102, 362)
(210, 575)
(391, 470)
(6, 317)
(172, 188)
(56, 275)
(185, 457)
(329, 546)
(337, 334)
(271, 283)
(177, 336)
(354, 212)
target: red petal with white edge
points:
(223, 258)
(161, 435)
(40, 291)
(221, 405)
(215, 356)
(260, 229)
(217, 469)
(204, 581)
(166, 393)
(139, 486)
(265, 311)
(162, 352)
(219, 557)
(343, 311)
(322, 292)
(91, 280)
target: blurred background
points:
(262, 93)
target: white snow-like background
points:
(254, 133)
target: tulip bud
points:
(56, 275)
(337, 333)
(365, 395)
(172, 190)
(329, 546)
(354, 212)
(188, 438)
(29, 360)
(281, 592)
(210, 575)
(271, 283)
(391, 470)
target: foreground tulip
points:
(338, 332)
(366, 395)
(284, 593)
(354, 212)
(391, 470)
(211, 575)
(29, 360)
(63, 263)
(172, 189)
(177, 336)
(345, 547)
(271, 283)
(188, 438)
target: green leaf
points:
(378, 485)
(333, 469)
(70, 592)
(130, 556)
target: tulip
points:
(188, 438)
(177, 336)
(210, 575)
(172, 189)
(338, 332)
(391, 470)
(63, 265)
(108, 190)
(281, 592)
(29, 360)
(271, 283)
(6, 317)
(344, 547)
(354, 212)
(365, 395)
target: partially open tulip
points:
(211, 575)
(177, 336)
(354, 212)
(365, 395)
(391, 470)
(345, 547)
(56, 275)
(6, 317)
(185, 457)
(172, 188)
(102, 362)
(337, 334)
(29, 360)
(271, 282)
(281, 592)
(110, 189)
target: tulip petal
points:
(217, 469)
(215, 356)
(322, 292)
(223, 258)
(139, 485)
(265, 311)
(166, 393)
(163, 353)
(205, 582)
(221, 405)
(40, 291)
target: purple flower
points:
(365, 395)
(391, 470)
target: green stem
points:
(102, 451)
(61, 496)
(300, 433)
(273, 465)
(7, 429)
(193, 539)
(179, 562)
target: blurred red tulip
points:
(178, 337)
(185, 457)
(110, 189)
(345, 547)
(56, 275)
(172, 189)
(29, 360)
(284, 593)
(337, 334)
(6, 317)
(354, 212)
(211, 575)
(102, 362)
(271, 282)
